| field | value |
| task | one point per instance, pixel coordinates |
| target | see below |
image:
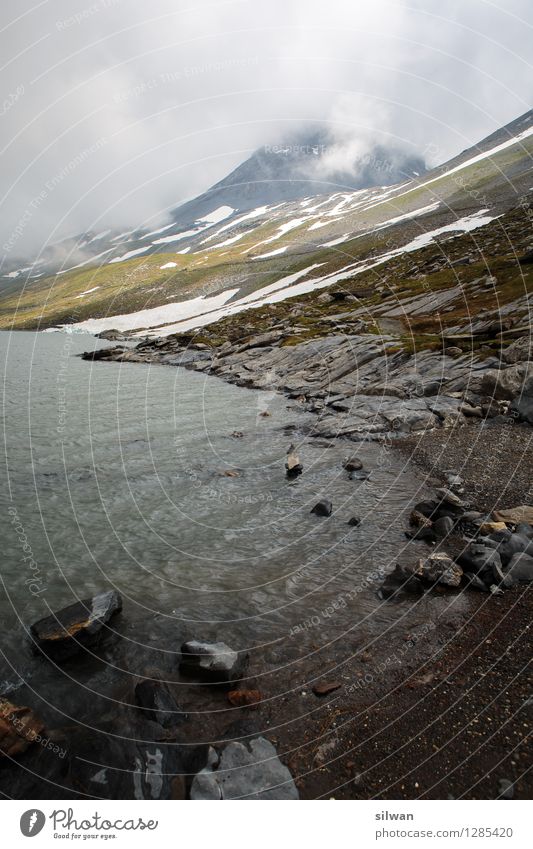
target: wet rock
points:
(419, 520)
(76, 627)
(293, 465)
(237, 434)
(525, 530)
(519, 570)
(19, 728)
(251, 771)
(324, 688)
(400, 581)
(245, 698)
(352, 464)
(438, 568)
(355, 521)
(157, 703)
(213, 662)
(422, 534)
(426, 508)
(443, 527)
(323, 508)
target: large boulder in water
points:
(244, 772)
(79, 626)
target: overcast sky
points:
(114, 111)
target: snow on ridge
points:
(168, 265)
(271, 253)
(88, 292)
(176, 237)
(129, 255)
(217, 215)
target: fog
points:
(115, 111)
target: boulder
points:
(515, 515)
(323, 508)
(79, 626)
(514, 545)
(507, 383)
(519, 352)
(251, 771)
(355, 521)
(519, 570)
(443, 527)
(438, 568)
(157, 703)
(213, 662)
(483, 561)
(19, 728)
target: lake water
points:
(113, 476)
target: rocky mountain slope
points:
(368, 240)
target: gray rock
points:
(443, 526)
(323, 508)
(352, 464)
(438, 568)
(157, 703)
(522, 404)
(519, 352)
(245, 772)
(506, 383)
(214, 662)
(519, 570)
(76, 627)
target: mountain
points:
(300, 167)
(216, 258)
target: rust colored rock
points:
(245, 698)
(19, 728)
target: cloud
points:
(116, 110)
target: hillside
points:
(367, 239)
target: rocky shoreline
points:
(403, 715)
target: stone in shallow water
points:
(244, 772)
(19, 728)
(323, 508)
(215, 662)
(158, 704)
(76, 627)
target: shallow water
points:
(113, 476)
